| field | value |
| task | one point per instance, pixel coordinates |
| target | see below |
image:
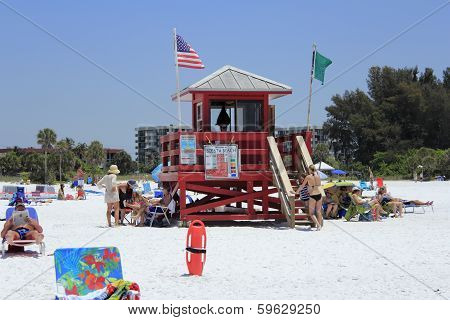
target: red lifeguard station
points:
(230, 159)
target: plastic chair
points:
(380, 182)
(147, 188)
(363, 185)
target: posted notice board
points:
(221, 162)
(188, 147)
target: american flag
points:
(186, 56)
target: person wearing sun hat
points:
(109, 183)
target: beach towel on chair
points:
(81, 271)
(118, 290)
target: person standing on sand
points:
(109, 182)
(315, 196)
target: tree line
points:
(61, 159)
(401, 122)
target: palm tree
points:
(46, 138)
(62, 147)
(95, 153)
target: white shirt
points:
(109, 182)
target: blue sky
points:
(43, 84)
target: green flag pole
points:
(310, 85)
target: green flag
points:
(321, 63)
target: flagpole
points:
(178, 77)
(310, 85)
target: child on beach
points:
(331, 205)
(81, 195)
(304, 193)
(140, 209)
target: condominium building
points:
(318, 135)
(147, 140)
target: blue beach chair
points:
(363, 185)
(80, 271)
(147, 188)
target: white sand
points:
(405, 258)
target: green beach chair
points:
(355, 209)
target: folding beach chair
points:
(127, 216)
(412, 207)
(80, 271)
(23, 243)
(147, 188)
(159, 211)
(355, 209)
(363, 185)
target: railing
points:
(253, 149)
(303, 158)
(282, 182)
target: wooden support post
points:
(265, 202)
(182, 200)
(239, 204)
(250, 202)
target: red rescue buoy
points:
(196, 248)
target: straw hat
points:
(113, 169)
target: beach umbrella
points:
(156, 172)
(328, 185)
(323, 166)
(322, 175)
(338, 172)
(344, 184)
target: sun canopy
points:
(155, 173)
(338, 172)
(323, 166)
(344, 184)
(328, 185)
(322, 175)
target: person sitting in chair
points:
(157, 203)
(61, 195)
(331, 203)
(385, 199)
(367, 204)
(81, 195)
(125, 198)
(140, 207)
(31, 230)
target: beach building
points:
(230, 157)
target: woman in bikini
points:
(315, 200)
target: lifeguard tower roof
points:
(229, 78)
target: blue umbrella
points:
(156, 172)
(338, 172)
